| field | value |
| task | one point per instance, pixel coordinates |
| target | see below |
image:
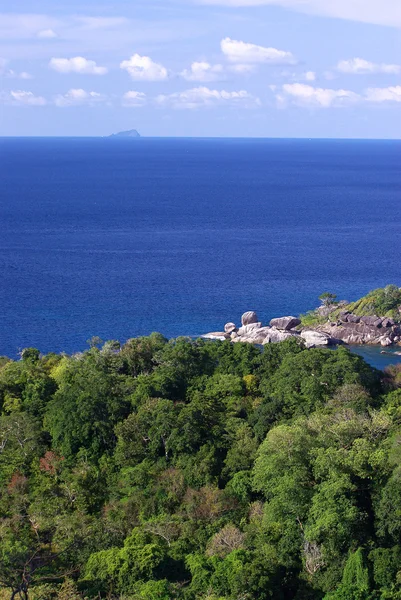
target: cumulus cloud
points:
(143, 68)
(134, 99)
(46, 34)
(385, 12)
(203, 72)
(201, 97)
(388, 94)
(359, 66)
(77, 64)
(78, 97)
(307, 95)
(244, 53)
(22, 98)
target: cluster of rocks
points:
(352, 329)
(279, 329)
(348, 329)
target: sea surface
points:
(119, 238)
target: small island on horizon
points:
(130, 133)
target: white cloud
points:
(22, 98)
(77, 64)
(10, 73)
(201, 97)
(244, 53)
(134, 99)
(78, 97)
(388, 94)
(142, 68)
(46, 34)
(203, 71)
(359, 66)
(310, 76)
(385, 12)
(307, 95)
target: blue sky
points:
(256, 68)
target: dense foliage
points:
(192, 470)
(384, 302)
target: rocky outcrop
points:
(280, 329)
(257, 335)
(285, 323)
(352, 329)
(348, 329)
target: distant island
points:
(131, 133)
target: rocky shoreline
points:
(347, 329)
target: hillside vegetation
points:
(382, 302)
(199, 470)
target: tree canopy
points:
(198, 470)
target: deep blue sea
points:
(119, 238)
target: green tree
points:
(327, 299)
(121, 569)
(355, 582)
(86, 407)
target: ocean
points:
(118, 238)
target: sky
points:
(224, 68)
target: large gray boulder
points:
(280, 335)
(315, 338)
(246, 329)
(216, 335)
(249, 317)
(230, 327)
(353, 318)
(258, 335)
(285, 323)
(369, 320)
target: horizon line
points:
(197, 137)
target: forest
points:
(194, 469)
